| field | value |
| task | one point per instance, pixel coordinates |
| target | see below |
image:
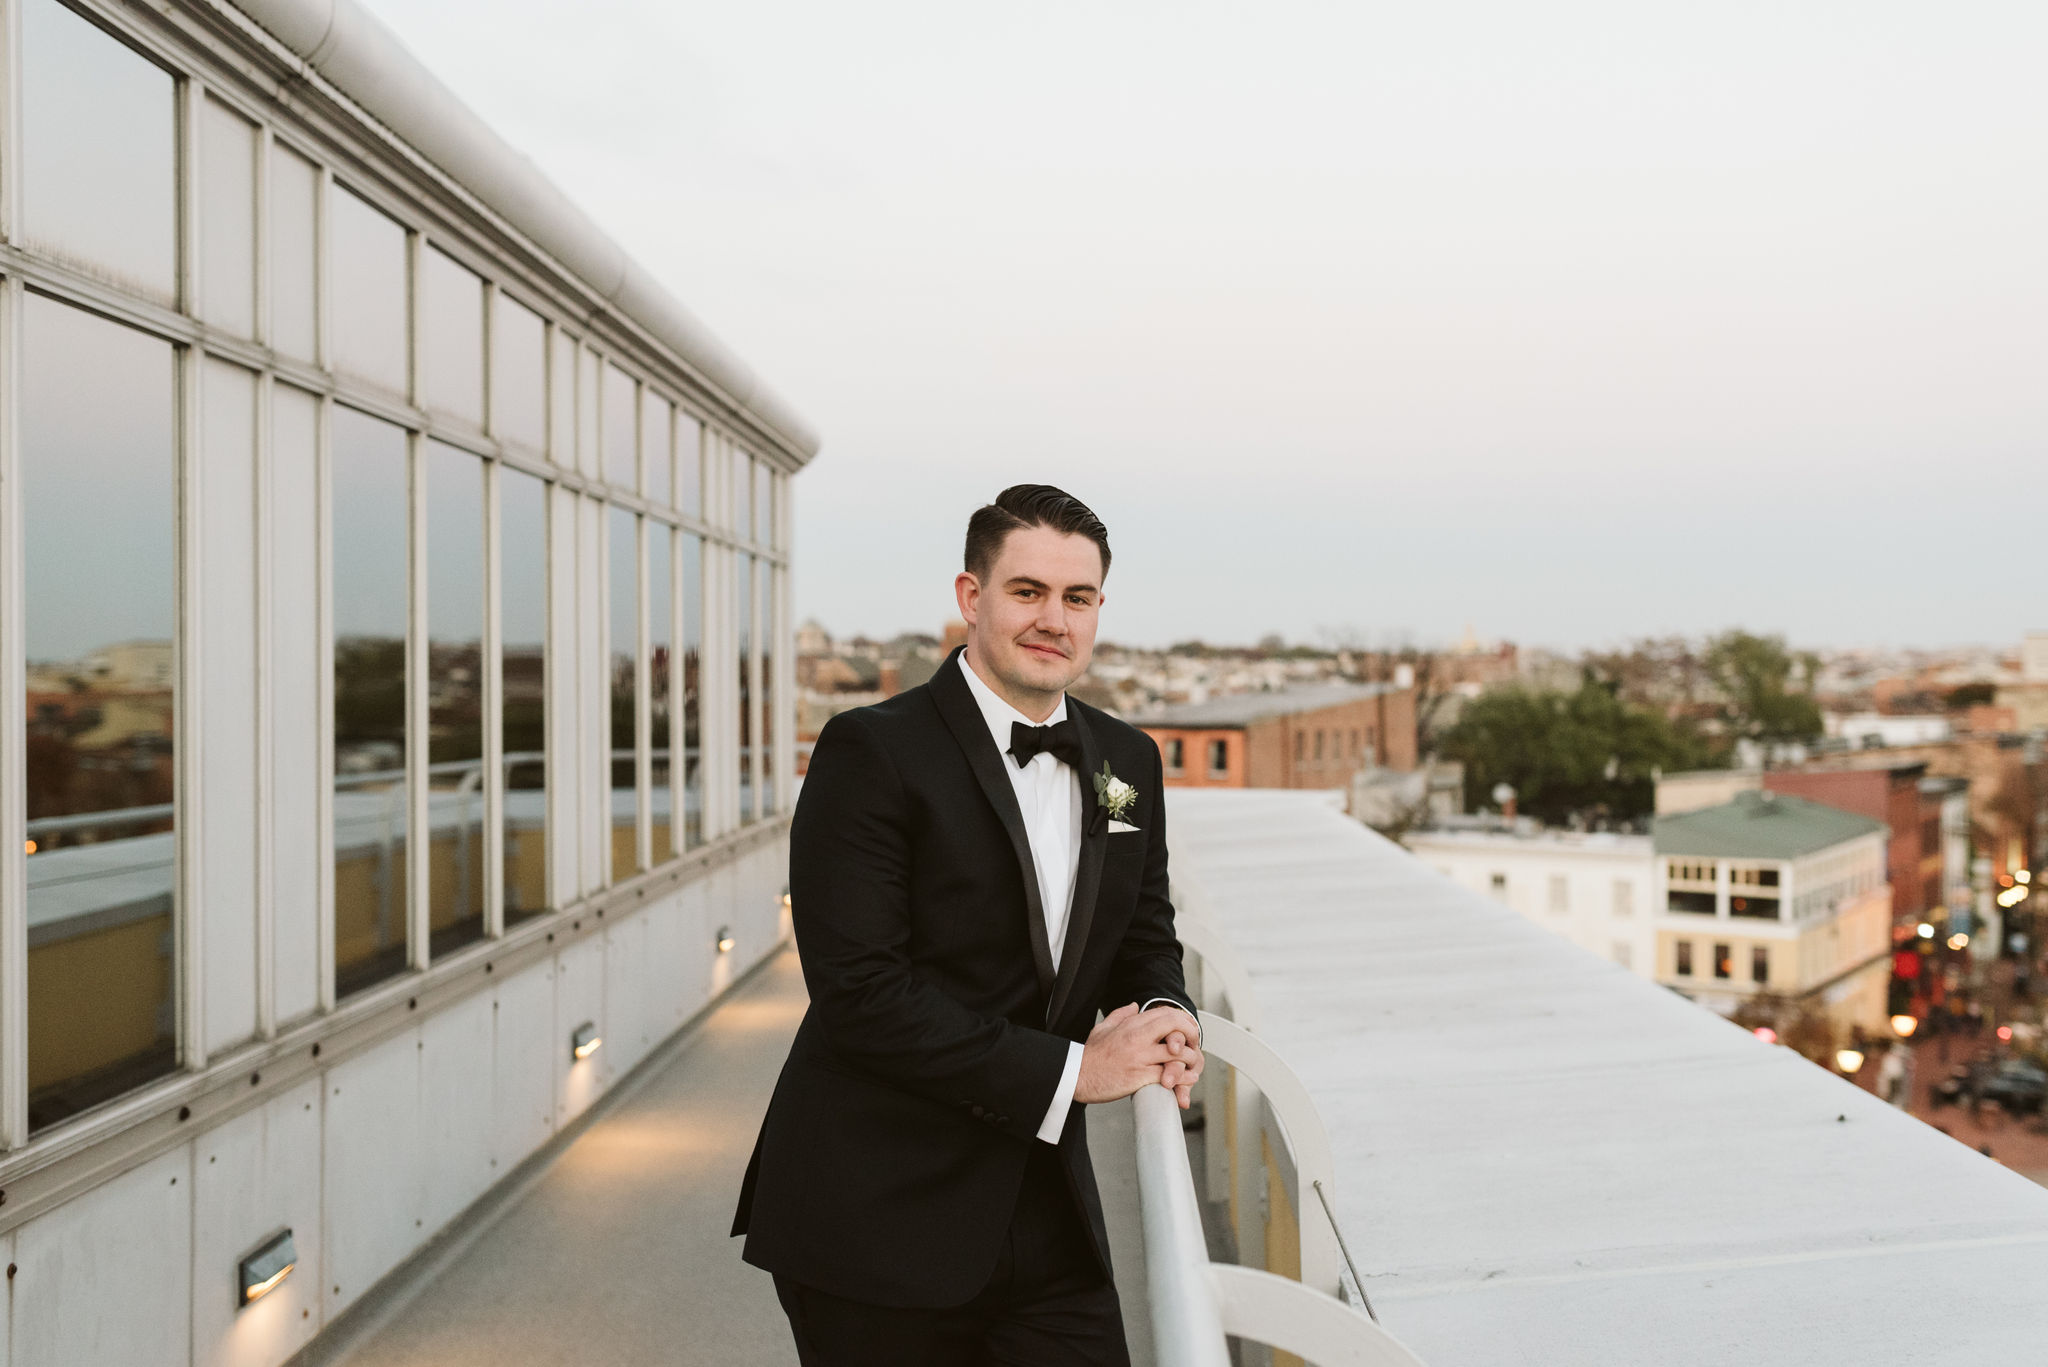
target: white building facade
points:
(1597, 889)
(395, 683)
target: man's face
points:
(1033, 623)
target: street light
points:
(1849, 1061)
(1904, 1025)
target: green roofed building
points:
(1776, 894)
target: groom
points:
(977, 867)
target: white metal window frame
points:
(428, 208)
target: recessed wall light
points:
(585, 1041)
(725, 940)
(260, 1271)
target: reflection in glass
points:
(660, 638)
(98, 150)
(625, 676)
(368, 297)
(523, 614)
(451, 337)
(455, 698)
(743, 618)
(562, 400)
(655, 457)
(99, 616)
(370, 586)
(620, 439)
(294, 219)
(692, 794)
(742, 493)
(227, 218)
(769, 576)
(689, 464)
(519, 374)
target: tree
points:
(1584, 754)
(1755, 675)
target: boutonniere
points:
(1112, 794)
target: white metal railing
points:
(1197, 1304)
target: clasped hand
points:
(1129, 1048)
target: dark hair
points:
(1029, 505)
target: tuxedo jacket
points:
(889, 1163)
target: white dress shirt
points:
(1049, 796)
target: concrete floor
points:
(616, 1254)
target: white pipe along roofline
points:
(352, 49)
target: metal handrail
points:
(1197, 1305)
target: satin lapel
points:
(1088, 873)
(964, 720)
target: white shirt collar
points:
(999, 714)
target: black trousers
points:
(1047, 1304)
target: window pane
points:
(589, 379)
(660, 638)
(370, 819)
(368, 261)
(99, 616)
(452, 337)
(769, 577)
(743, 493)
(692, 645)
(689, 464)
(523, 612)
(743, 617)
(625, 674)
(655, 456)
(562, 402)
(99, 151)
(455, 697)
(227, 219)
(619, 431)
(294, 216)
(519, 380)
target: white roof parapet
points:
(1542, 1158)
(351, 48)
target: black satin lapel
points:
(963, 718)
(1088, 873)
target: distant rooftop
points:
(1760, 826)
(1242, 709)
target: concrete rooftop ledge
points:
(1544, 1159)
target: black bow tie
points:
(1059, 740)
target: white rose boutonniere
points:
(1112, 794)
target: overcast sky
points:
(1572, 322)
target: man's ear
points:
(967, 593)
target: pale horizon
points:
(1579, 325)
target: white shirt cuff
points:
(1180, 1007)
(1063, 1098)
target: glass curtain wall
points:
(624, 622)
(743, 633)
(660, 686)
(692, 792)
(99, 516)
(455, 697)
(355, 650)
(368, 512)
(523, 618)
(767, 637)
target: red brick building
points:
(1314, 737)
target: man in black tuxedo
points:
(977, 867)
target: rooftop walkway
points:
(612, 1250)
(1542, 1159)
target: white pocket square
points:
(1117, 826)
